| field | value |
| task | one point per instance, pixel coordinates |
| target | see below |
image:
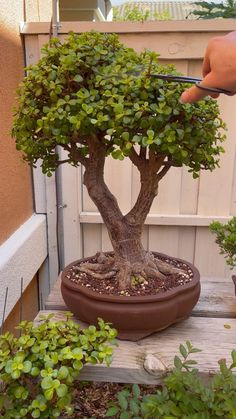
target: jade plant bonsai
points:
(93, 97)
(37, 370)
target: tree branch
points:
(62, 162)
(75, 154)
(163, 172)
(138, 160)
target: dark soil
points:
(148, 287)
(92, 400)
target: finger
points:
(206, 68)
(194, 93)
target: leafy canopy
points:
(92, 85)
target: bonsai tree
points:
(94, 97)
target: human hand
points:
(219, 69)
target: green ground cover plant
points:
(38, 369)
(184, 394)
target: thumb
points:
(195, 93)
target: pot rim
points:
(132, 299)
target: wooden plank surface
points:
(186, 220)
(217, 299)
(146, 361)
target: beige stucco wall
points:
(15, 176)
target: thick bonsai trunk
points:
(130, 260)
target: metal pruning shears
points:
(186, 79)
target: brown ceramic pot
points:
(137, 316)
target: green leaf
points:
(150, 133)
(49, 393)
(78, 353)
(47, 383)
(62, 390)
(16, 374)
(183, 351)
(233, 355)
(19, 391)
(62, 373)
(134, 407)
(78, 78)
(177, 362)
(125, 415)
(27, 365)
(123, 402)
(55, 413)
(125, 136)
(35, 371)
(77, 365)
(184, 153)
(136, 390)
(112, 411)
(36, 413)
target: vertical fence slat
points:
(119, 180)
(168, 199)
(164, 239)
(207, 257)
(215, 188)
(92, 237)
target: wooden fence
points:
(180, 215)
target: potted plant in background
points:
(226, 239)
(93, 97)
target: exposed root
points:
(166, 268)
(107, 275)
(99, 267)
(154, 273)
(125, 273)
(103, 269)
